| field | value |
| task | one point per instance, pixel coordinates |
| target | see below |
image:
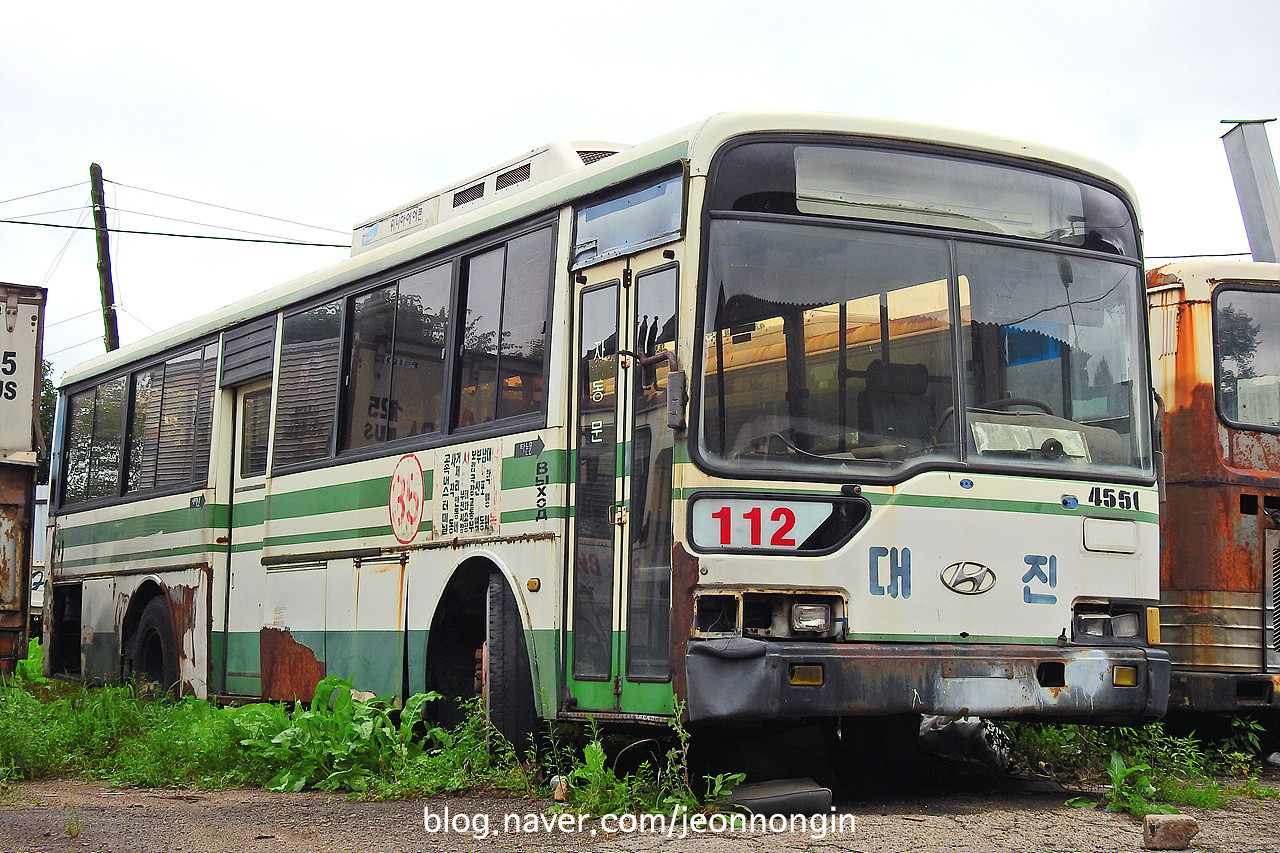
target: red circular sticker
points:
(406, 499)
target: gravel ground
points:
(67, 815)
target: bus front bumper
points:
(741, 679)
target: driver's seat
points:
(894, 402)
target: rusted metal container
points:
(21, 340)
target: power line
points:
(69, 319)
(232, 209)
(43, 192)
(187, 236)
(122, 309)
(74, 346)
(57, 260)
(50, 212)
(193, 222)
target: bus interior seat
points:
(894, 402)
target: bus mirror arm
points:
(676, 382)
(675, 399)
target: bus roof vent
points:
(514, 176)
(489, 186)
(472, 193)
(589, 157)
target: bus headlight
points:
(1092, 624)
(1108, 623)
(1125, 625)
(811, 617)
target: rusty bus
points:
(1215, 351)
(778, 417)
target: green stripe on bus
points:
(107, 561)
(328, 536)
(549, 512)
(522, 472)
(322, 500)
(181, 520)
(249, 513)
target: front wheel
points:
(508, 682)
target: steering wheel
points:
(1011, 402)
(994, 405)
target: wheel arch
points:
(463, 604)
(138, 600)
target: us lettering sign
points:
(20, 338)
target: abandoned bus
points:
(1215, 350)
(777, 416)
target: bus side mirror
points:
(675, 399)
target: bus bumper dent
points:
(742, 679)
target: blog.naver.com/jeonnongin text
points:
(679, 823)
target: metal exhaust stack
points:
(1254, 173)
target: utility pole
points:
(109, 322)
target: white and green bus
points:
(776, 417)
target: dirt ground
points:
(79, 816)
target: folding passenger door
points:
(618, 649)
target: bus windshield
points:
(836, 349)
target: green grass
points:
(1145, 769)
(374, 750)
(339, 741)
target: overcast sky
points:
(325, 114)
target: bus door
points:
(242, 594)
(619, 645)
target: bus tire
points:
(152, 652)
(508, 683)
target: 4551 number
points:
(1112, 498)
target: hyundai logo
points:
(968, 578)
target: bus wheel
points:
(508, 684)
(152, 653)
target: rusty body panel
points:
(17, 488)
(185, 622)
(290, 670)
(109, 610)
(1221, 482)
(684, 579)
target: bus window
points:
(371, 408)
(1247, 343)
(309, 373)
(504, 330)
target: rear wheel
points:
(508, 682)
(152, 651)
